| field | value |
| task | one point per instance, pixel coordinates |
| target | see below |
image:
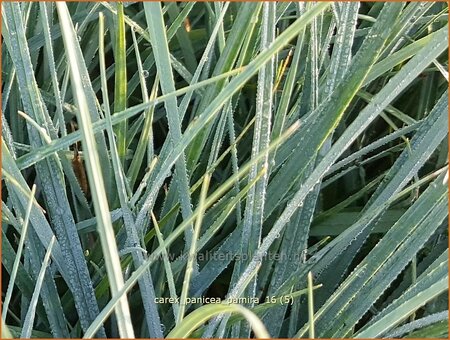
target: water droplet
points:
(59, 210)
(145, 73)
(79, 37)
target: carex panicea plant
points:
(224, 169)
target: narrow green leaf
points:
(29, 319)
(18, 255)
(159, 41)
(95, 176)
(120, 88)
(145, 283)
(50, 173)
(311, 331)
(193, 250)
(204, 313)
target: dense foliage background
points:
(224, 150)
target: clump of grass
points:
(288, 160)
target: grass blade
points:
(154, 16)
(145, 283)
(311, 331)
(193, 250)
(29, 319)
(201, 315)
(50, 173)
(95, 178)
(18, 256)
(120, 88)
